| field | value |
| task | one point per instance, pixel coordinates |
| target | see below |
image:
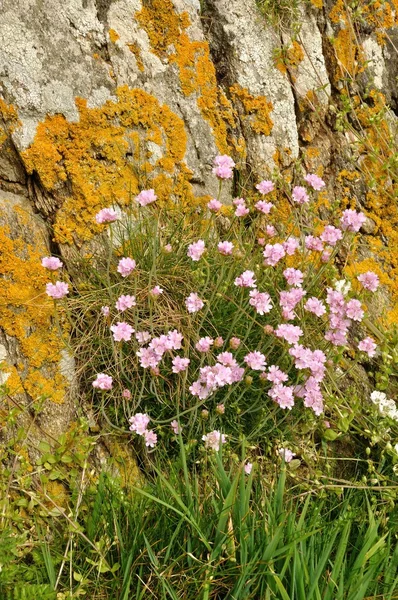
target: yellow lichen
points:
(113, 36)
(256, 109)
(8, 120)
(317, 3)
(135, 49)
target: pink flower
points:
(142, 337)
(106, 215)
(148, 358)
(273, 254)
(264, 207)
(283, 395)
(331, 235)
(146, 197)
(214, 205)
(193, 303)
(314, 181)
(241, 210)
(234, 342)
(326, 254)
(275, 375)
(265, 187)
(126, 266)
(150, 438)
(51, 263)
(352, 220)
(156, 291)
(125, 302)
(313, 243)
(315, 306)
(270, 231)
(247, 279)
(290, 298)
(126, 394)
(214, 439)
(368, 345)
(369, 281)
(220, 409)
(180, 364)
(175, 427)
(139, 423)
(122, 331)
(168, 248)
(291, 245)
(261, 301)
(225, 248)
(218, 342)
(105, 311)
(248, 468)
(103, 382)
(175, 338)
(300, 195)
(223, 166)
(261, 241)
(293, 276)
(286, 454)
(196, 250)
(57, 290)
(354, 310)
(255, 360)
(204, 344)
(239, 201)
(290, 333)
(226, 359)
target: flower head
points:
(139, 423)
(225, 248)
(286, 454)
(204, 344)
(156, 291)
(247, 279)
(273, 254)
(352, 220)
(103, 382)
(248, 468)
(196, 250)
(214, 439)
(293, 276)
(175, 427)
(314, 181)
(193, 303)
(261, 301)
(125, 302)
(264, 207)
(255, 360)
(369, 281)
(180, 364)
(57, 290)
(299, 195)
(146, 197)
(122, 331)
(52, 263)
(126, 266)
(290, 333)
(106, 215)
(223, 166)
(105, 310)
(265, 187)
(368, 345)
(214, 205)
(150, 438)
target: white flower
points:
(343, 286)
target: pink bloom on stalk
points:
(126, 266)
(125, 302)
(214, 205)
(270, 231)
(105, 311)
(139, 423)
(283, 395)
(265, 187)
(368, 345)
(204, 344)
(314, 181)
(276, 375)
(300, 195)
(218, 342)
(57, 290)
(122, 331)
(106, 215)
(52, 263)
(103, 382)
(369, 281)
(331, 235)
(290, 298)
(168, 248)
(315, 306)
(248, 468)
(255, 360)
(261, 301)
(354, 310)
(261, 241)
(193, 303)
(234, 342)
(175, 427)
(352, 220)
(223, 166)
(247, 279)
(326, 254)
(146, 197)
(220, 409)
(313, 243)
(293, 277)
(273, 254)
(225, 248)
(196, 250)
(291, 245)
(286, 454)
(214, 439)
(148, 358)
(241, 210)
(175, 338)
(156, 291)
(290, 333)
(180, 364)
(239, 201)
(126, 394)
(264, 207)
(150, 438)
(226, 359)
(142, 337)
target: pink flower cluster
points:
(193, 303)
(196, 250)
(299, 195)
(223, 166)
(261, 301)
(314, 181)
(106, 215)
(265, 187)
(352, 220)
(57, 290)
(139, 424)
(341, 314)
(224, 372)
(126, 266)
(103, 382)
(151, 356)
(247, 279)
(146, 197)
(51, 263)
(213, 440)
(288, 300)
(241, 208)
(369, 281)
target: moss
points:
(257, 109)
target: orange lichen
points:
(317, 3)
(135, 49)
(26, 314)
(8, 120)
(113, 36)
(92, 154)
(256, 109)
(289, 58)
(169, 39)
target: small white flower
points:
(343, 286)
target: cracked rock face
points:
(214, 65)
